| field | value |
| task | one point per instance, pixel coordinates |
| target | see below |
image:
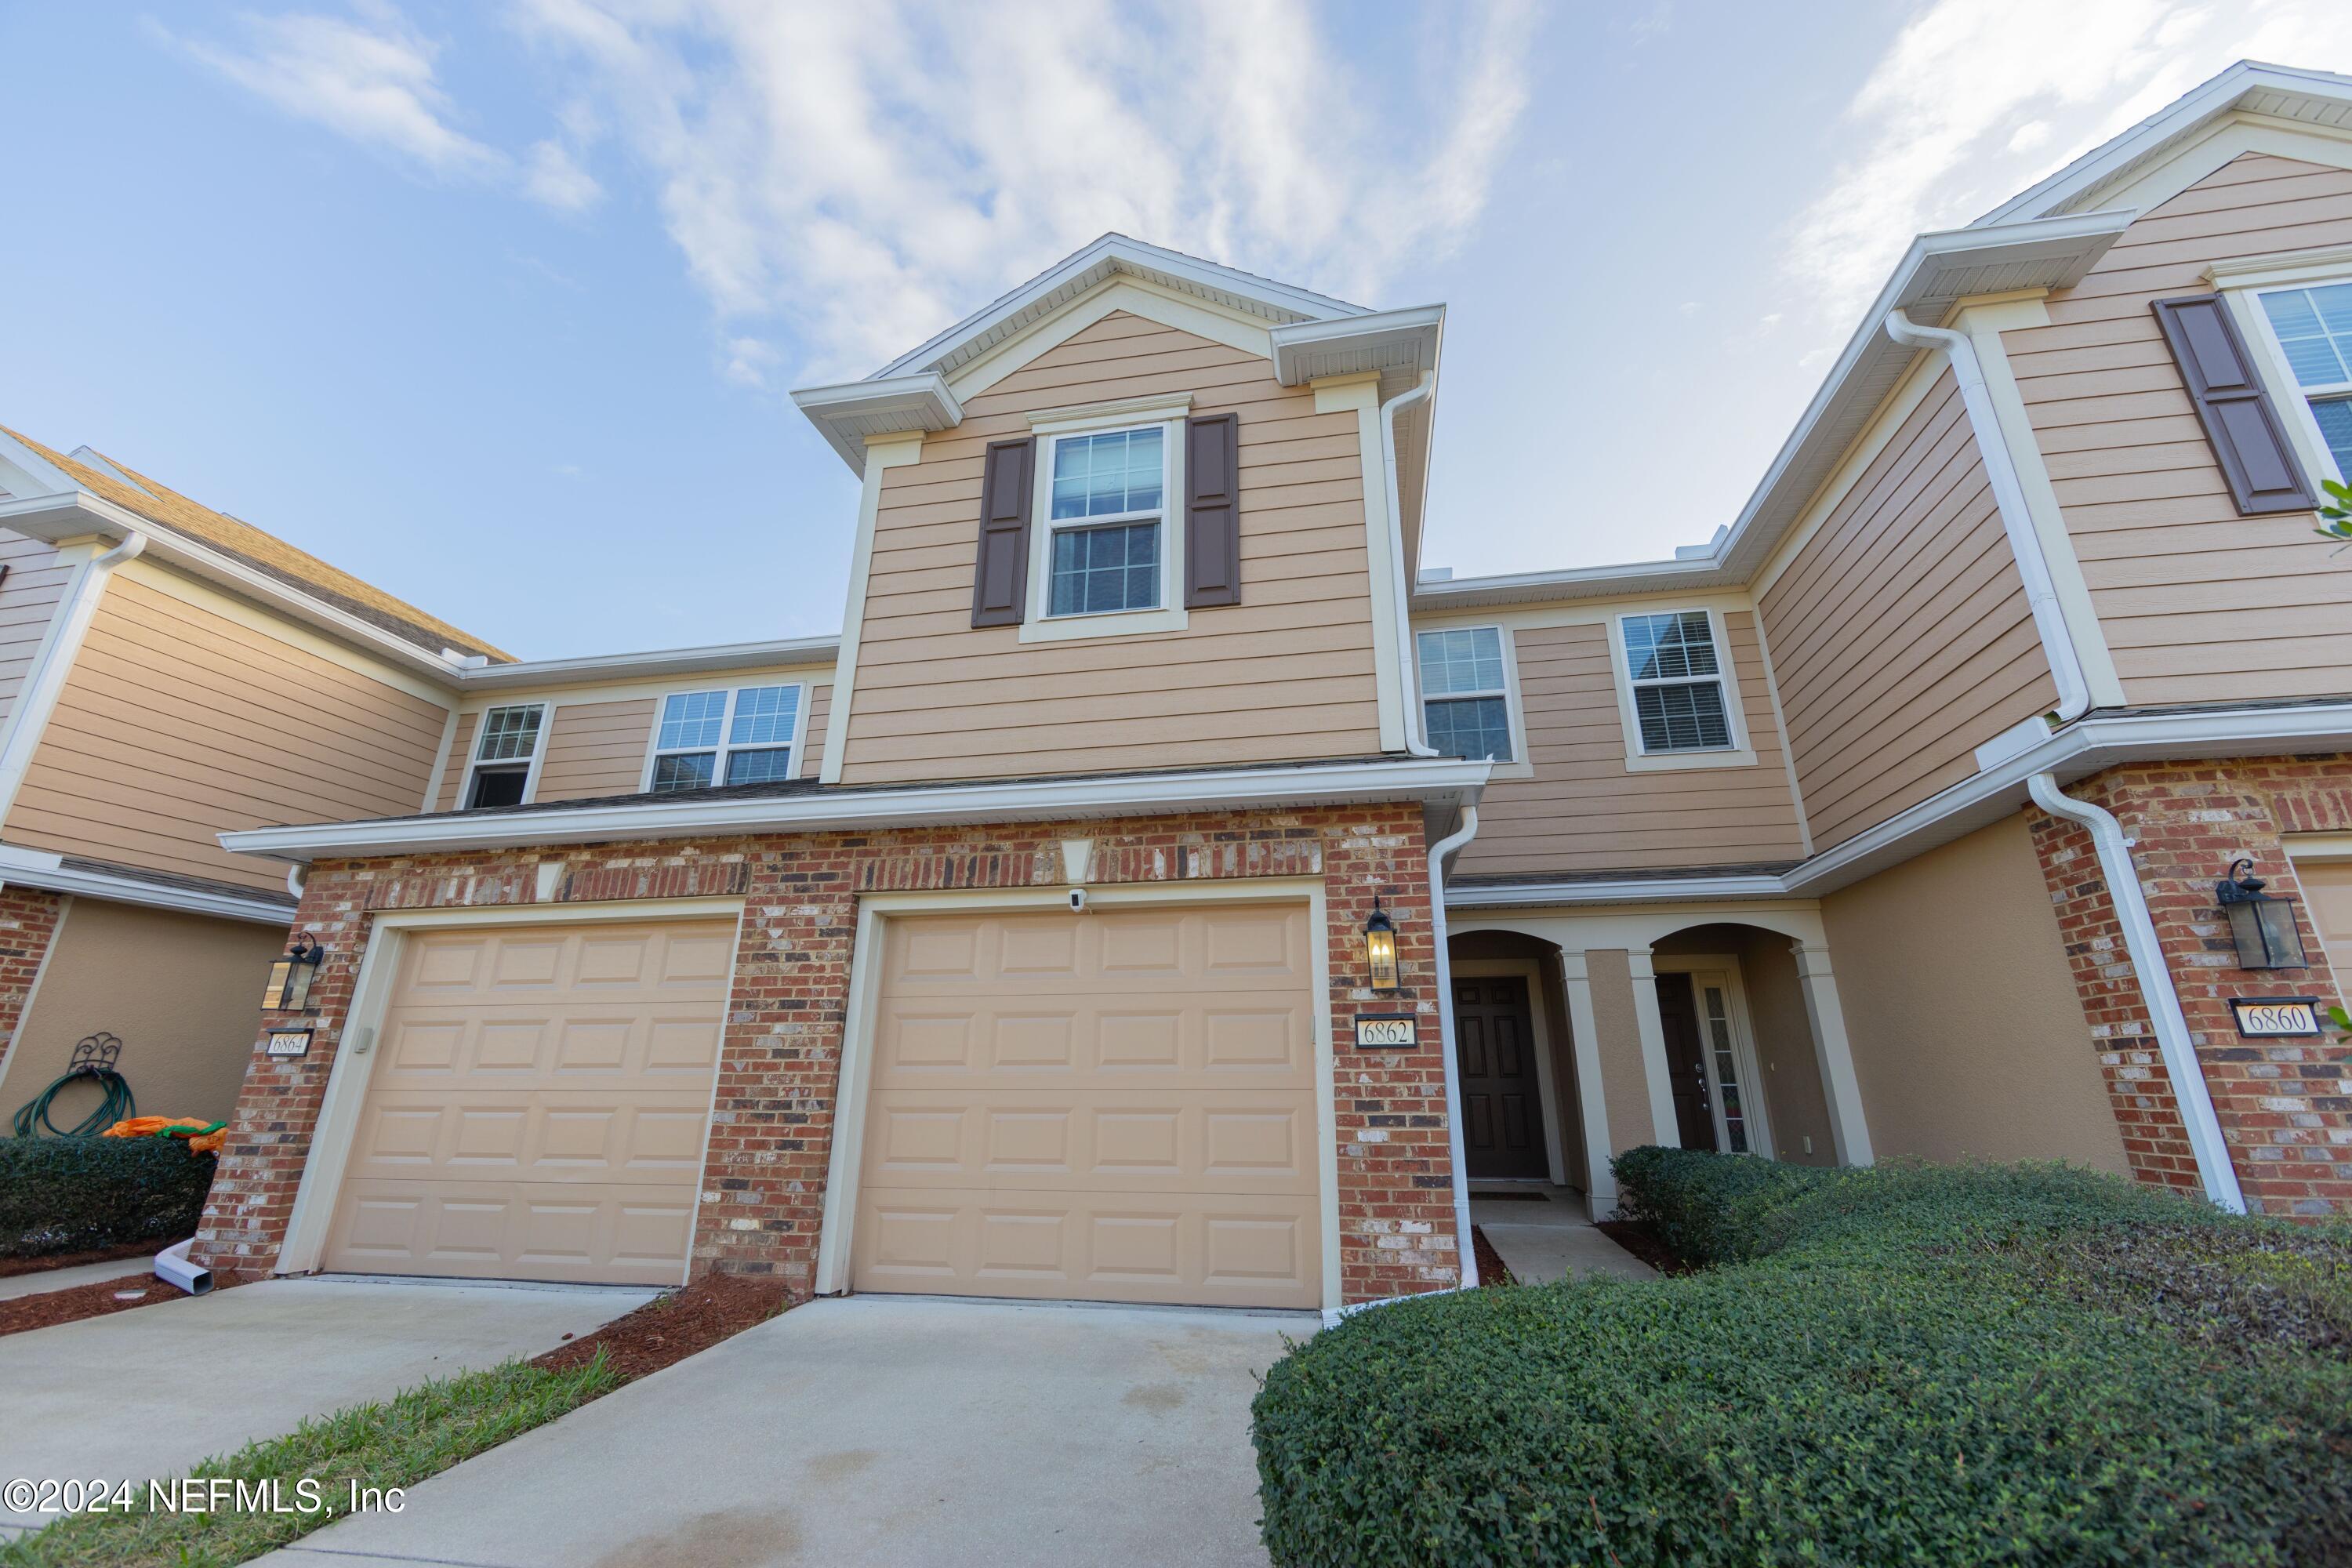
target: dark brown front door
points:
(1502, 1115)
(1679, 1011)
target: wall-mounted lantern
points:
(1379, 948)
(291, 977)
(2261, 924)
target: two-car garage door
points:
(1115, 1106)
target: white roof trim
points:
(1111, 255)
(1388, 341)
(32, 868)
(847, 414)
(1438, 781)
(2282, 92)
(659, 661)
(2090, 745)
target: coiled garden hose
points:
(118, 1106)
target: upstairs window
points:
(742, 736)
(1466, 693)
(1106, 504)
(1677, 681)
(503, 753)
(2313, 327)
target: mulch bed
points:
(52, 1307)
(1492, 1269)
(674, 1327)
(1639, 1240)
(12, 1266)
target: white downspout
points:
(2009, 495)
(38, 697)
(1415, 740)
(1439, 853)
(2197, 1118)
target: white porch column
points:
(1592, 1100)
(1660, 1075)
(1840, 1088)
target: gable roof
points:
(157, 503)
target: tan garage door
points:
(538, 1106)
(1117, 1105)
(2328, 892)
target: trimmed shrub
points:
(77, 1194)
(1708, 1207)
(1912, 1364)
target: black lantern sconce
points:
(290, 977)
(2261, 924)
(1379, 948)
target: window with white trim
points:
(1466, 693)
(740, 736)
(1677, 675)
(505, 746)
(2314, 329)
(1106, 515)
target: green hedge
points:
(2011, 1365)
(75, 1194)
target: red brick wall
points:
(763, 1186)
(2285, 1107)
(29, 923)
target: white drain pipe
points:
(1416, 742)
(2163, 1003)
(172, 1268)
(1439, 853)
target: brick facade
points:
(763, 1186)
(2285, 1107)
(29, 923)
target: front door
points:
(1685, 1067)
(1502, 1106)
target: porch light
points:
(1379, 948)
(2261, 924)
(290, 976)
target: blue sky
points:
(498, 305)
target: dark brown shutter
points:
(1000, 587)
(1213, 512)
(2240, 423)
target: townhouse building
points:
(1167, 888)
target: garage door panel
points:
(2328, 892)
(1213, 1140)
(1164, 1037)
(540, 1107)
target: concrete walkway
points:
(48, 1279)
(1542, 1235)
(150, 1392)
(876, 1430)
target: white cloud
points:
(369, 77)
(748, 361)
(1977, 100)
(866, 175)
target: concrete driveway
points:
(150, 1392)
(876, 1430)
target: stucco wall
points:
(1967, 1032)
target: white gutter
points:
(2009, 495)
(2155, 980)
(655, 662)
(1439, 853)
(37, 699)
(1444, 780)
(1416, 739)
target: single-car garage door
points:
(538, 1106)
(1116, 1106)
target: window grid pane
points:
(2315, 328)
(1681, 717)
(1669, 647)
(2335, 416)
(691, 719)
(1727, 1070)
(689, 770)
(1478, 728)
(509, 734)
(761, 766)
(1457, 663)
(1108, 474)
(765, 716)
(1097, 571)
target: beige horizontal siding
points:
(1286, 675)
(1583, 811)
(1900, 633)
(176, 724)
(28, 599)
(596, 749)
(820, 702)
(2169, 561)
(453, 767)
